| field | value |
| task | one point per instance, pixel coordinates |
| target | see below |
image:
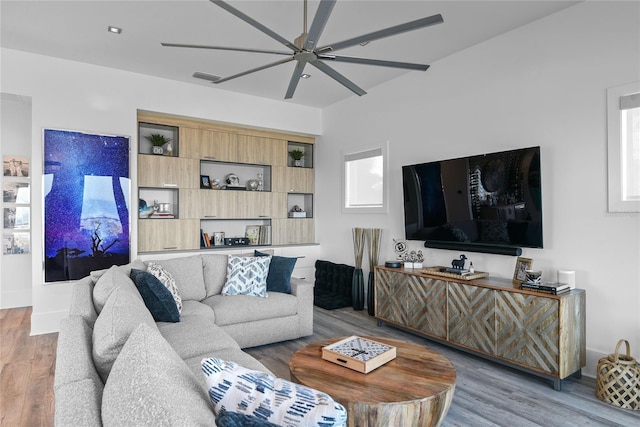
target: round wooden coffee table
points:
(414, 389)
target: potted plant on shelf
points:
(158, 141)
(297, 156)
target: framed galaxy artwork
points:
(86, 203)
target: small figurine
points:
(458, 264)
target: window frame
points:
(616, 201)
(383, 150)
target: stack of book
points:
(546, 287)
(161, 215)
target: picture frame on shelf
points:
(205, 182)
(522, 265)
(253, 234)
(15, 166)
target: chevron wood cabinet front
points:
(540, 333)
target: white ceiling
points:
(77, 30)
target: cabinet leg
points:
(578, 374)
(379, 323)
(557, 384)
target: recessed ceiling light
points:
(305, 76)
(114, 30)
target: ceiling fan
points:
(304, 49)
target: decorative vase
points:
(357, 289)
(371, 299)
(297, 163)
(157, 150)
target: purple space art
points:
(86, 203)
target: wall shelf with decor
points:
(158, 139)
(235, 176)
(158, 203)
(302, 150)
(299, 205)
(257, 231)
(209, 152)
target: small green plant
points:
(158, 140)
(296, 154)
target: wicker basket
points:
(618, 380)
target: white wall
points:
(542, 84)
(76, 96)
(15, 134)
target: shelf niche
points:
(307, 149)
(244, 171)
(169, 132)
(152, 196)
(236, 228)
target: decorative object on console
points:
(399, 247)
(413, 259)
(372, 238)
(533, 277)
(568, 277)
(522, 265)
(252, 185)
(357, 286)
(393, 264)
(260, 177)
(233, 181)
(458, 264)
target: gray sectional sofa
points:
(117, 366)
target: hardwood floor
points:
(487, 394)
(27, 367)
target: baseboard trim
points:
(47, 323)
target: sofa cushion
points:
(157, 297)
(167, 280)
(112, 279)
(82, 301)
(122, 313)
(196, 308)
(244, 308)
(247, 276)
(150, 385)
(215, 272)
(75, 342)
(278, 401)
(188, 274)
(82, 402)
(126, 269)
(195, 335)
(280, 270)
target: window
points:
(623, 107)
(365, 181)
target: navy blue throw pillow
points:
(280, 270)
(156, 296)
(236, 419)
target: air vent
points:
(205, 76)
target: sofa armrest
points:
(303, 290)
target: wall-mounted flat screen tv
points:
(486, 203)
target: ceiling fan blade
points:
(379, 62)
(253, 70)
(338, 77)
(295, 78)
(255, 24)
(235, 49)
(319, 22)
(387, 32)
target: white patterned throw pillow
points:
(237, 389)
(247, 276)
(167, 280)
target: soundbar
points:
(475, 247)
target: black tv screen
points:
(485, 203)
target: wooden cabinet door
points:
(528, 330)
(292, 179)
(166, 171)
(472, 317)
(208, 145)
(426, 302)
(198, 204)
(158, 235)
(262, 151)
(390, 296)
(292, 231)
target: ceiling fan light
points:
(305, 76)
(114, 30)
(364, 43)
